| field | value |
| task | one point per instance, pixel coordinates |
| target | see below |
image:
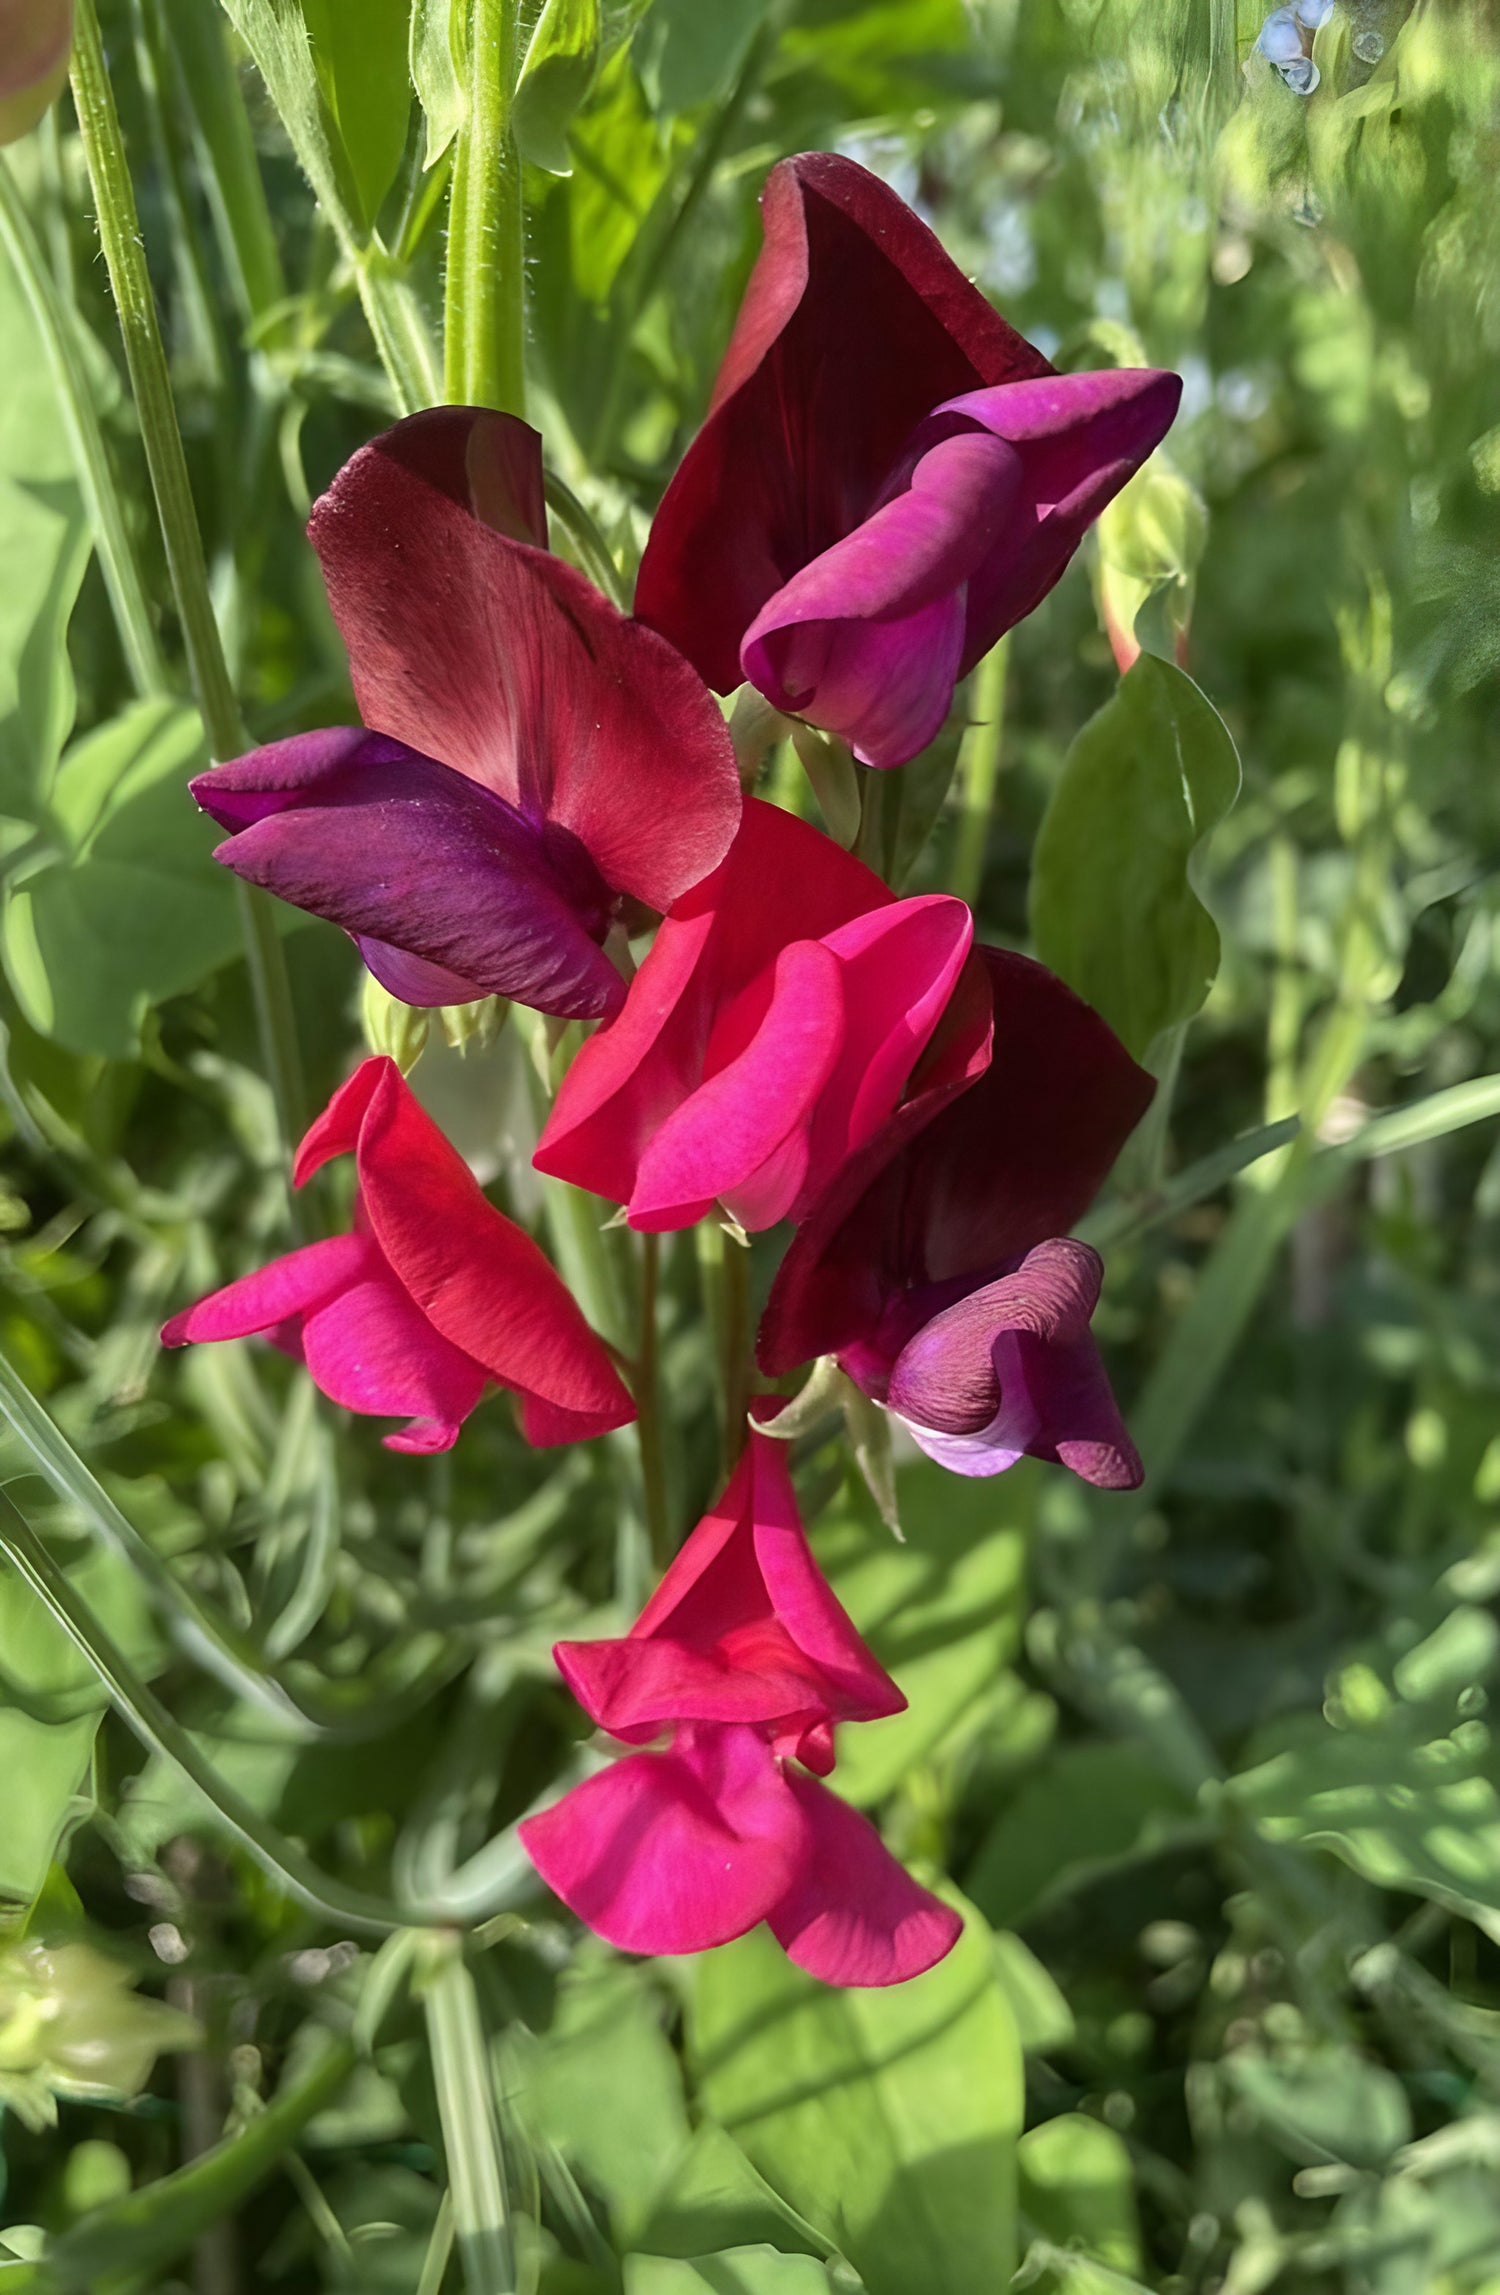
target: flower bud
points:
(72, 2024)
(477, 1024)
(35, 36)
(398, 1030)
(1151, 539)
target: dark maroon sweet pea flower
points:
(889, 477)
(529, 755)
(937, 1268)
(738, 1670)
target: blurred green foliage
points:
(1211, 1765)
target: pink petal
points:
(899, 967)
(506, 664)
(855, 324)
(782, 882)
(288, 1288)
(675, 1852)
(854, 1916)
(476, 1276)
(715, 1145)
(373, 1351)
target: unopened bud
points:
(1151, 541)
(474, 1027)
(35, 36)
(72, 2024)
(397, 1030)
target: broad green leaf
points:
(1090, 1807)
(1078, 2190)
(688, 52)
(621, 165)
(714, 2198)
(437, 69)
(1114, 907)
(1044, 2020)
(942, 1611)
(360, 54)
(607, 2089)
(46, 1765)
(561, 60)
(887, 2117)
(132, 909)
(1324, 2103)
(44, 548)
(736, 2271)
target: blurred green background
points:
(1212, 1762)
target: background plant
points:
(1212, 1763)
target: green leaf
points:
(44, 548)
(276, 34)
(1113, 903)
(607, 2089)
(51, 1712)
(1089, 1808)
(1326, 2103)
(437, 70)
(561, 60)
(1077, 2189)
(360, 55)
(714, 2198)
(688, 53)
(1044, 2021)
(133, 908)
(942, 1611)
(1402, 1789)
(887, 2117)
(736, 2271)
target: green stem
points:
(648, 1425)
(980, 767)
(144, 1713)
(117, 559)
(484, 287)
(465, 2082)
(151, 384)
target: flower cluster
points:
(889, 477)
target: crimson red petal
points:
(505, 663)
(855, 324)
(782, 881)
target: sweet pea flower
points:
(528, 756)
(937, 1267)
(744, 1661)
(432, 1296)
(768, 1033)
(889, 477)
(35, 37)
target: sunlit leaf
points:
(556, 75)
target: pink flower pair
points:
(743, 1661)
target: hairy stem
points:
(484, 317)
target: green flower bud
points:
(397, 1030)
(72, 2024)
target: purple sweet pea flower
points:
(937, 1269)
(531, 755)
(889, 478)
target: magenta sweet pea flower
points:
(744, 1660)
(769, 1032)
(937, 1267)
(889, 477)
(528, 756)
(433, 1296)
